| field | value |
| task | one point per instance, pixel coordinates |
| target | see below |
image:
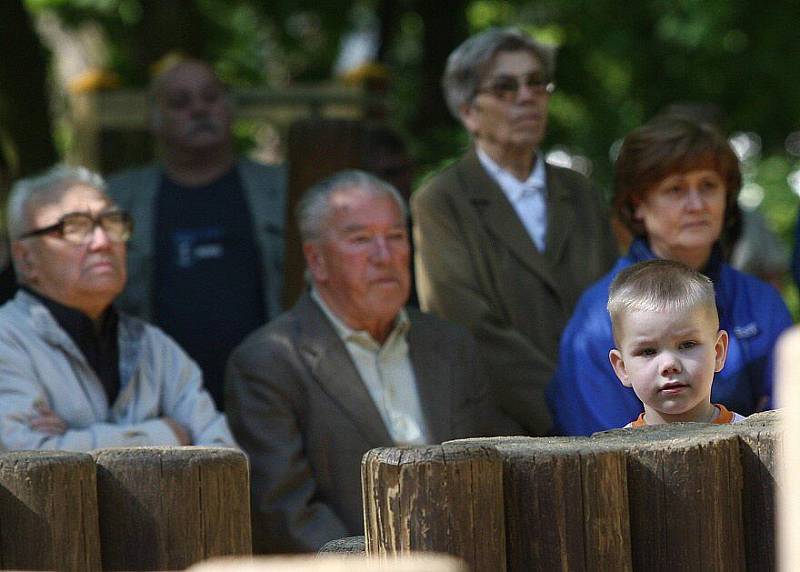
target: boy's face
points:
(669, 359)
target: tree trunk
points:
(24, 102)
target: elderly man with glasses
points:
(75, 374)
(505, 242)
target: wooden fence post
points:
(165, 508)
(48, 511)
(442, 498)
(566, 504)
(684, 496)
(759, 441)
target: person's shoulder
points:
(14, 315)
(436, 328)
(121, 179)
(590, 314)
(441, 181)
(597, 292)
(275, 337)
(570, 180)
(743, 287)
(255, 168)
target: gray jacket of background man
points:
(265, 192)
(40, 363)
(477, 266)
(298, 408)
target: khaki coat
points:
(477, 266)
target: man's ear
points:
(315, 261)
(615, 357)
(721, 350)
(467, 114)
(21, 254)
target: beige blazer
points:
(477, 265)
(300, 411)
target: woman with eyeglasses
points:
(506, 242)
(676, 184)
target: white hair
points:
(314, 207)
(469, 63)
(43, 188)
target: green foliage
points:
(619, 64)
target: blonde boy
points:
(668, 342)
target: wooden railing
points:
(122, 509)
(674, 497)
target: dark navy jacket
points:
(585, 395)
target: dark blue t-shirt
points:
(207, 289)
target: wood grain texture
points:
(165, 508)
(48, 512)
(566, 504)
(444, 498)
(759, 443)
(684, 495)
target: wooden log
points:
(350, 545)
(566, 504)
(329, 563)
(684, 496)
(48, 511)
(759, 442)
(165, 508)
(443, 498)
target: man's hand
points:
(180, 431)
(45, 421)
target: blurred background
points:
(73, 75)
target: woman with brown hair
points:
(676, 186)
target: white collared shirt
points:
(388, 374)
(528, 197)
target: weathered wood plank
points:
(566, 505)
(48, 512)
(165, 508)
(443, 498)
(684, 494)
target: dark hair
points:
(666, 145)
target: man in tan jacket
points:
(505, 242)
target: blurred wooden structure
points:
(787, 390)
(675, 497)
(329, 563)
(110, 128)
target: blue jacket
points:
(585, 395)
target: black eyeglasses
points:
(77, 228)
(506, 87)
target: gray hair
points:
(659, 286)
(314, 207)
(42, 189)
(469, 63)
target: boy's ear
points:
(615, 357)
(721, 350)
